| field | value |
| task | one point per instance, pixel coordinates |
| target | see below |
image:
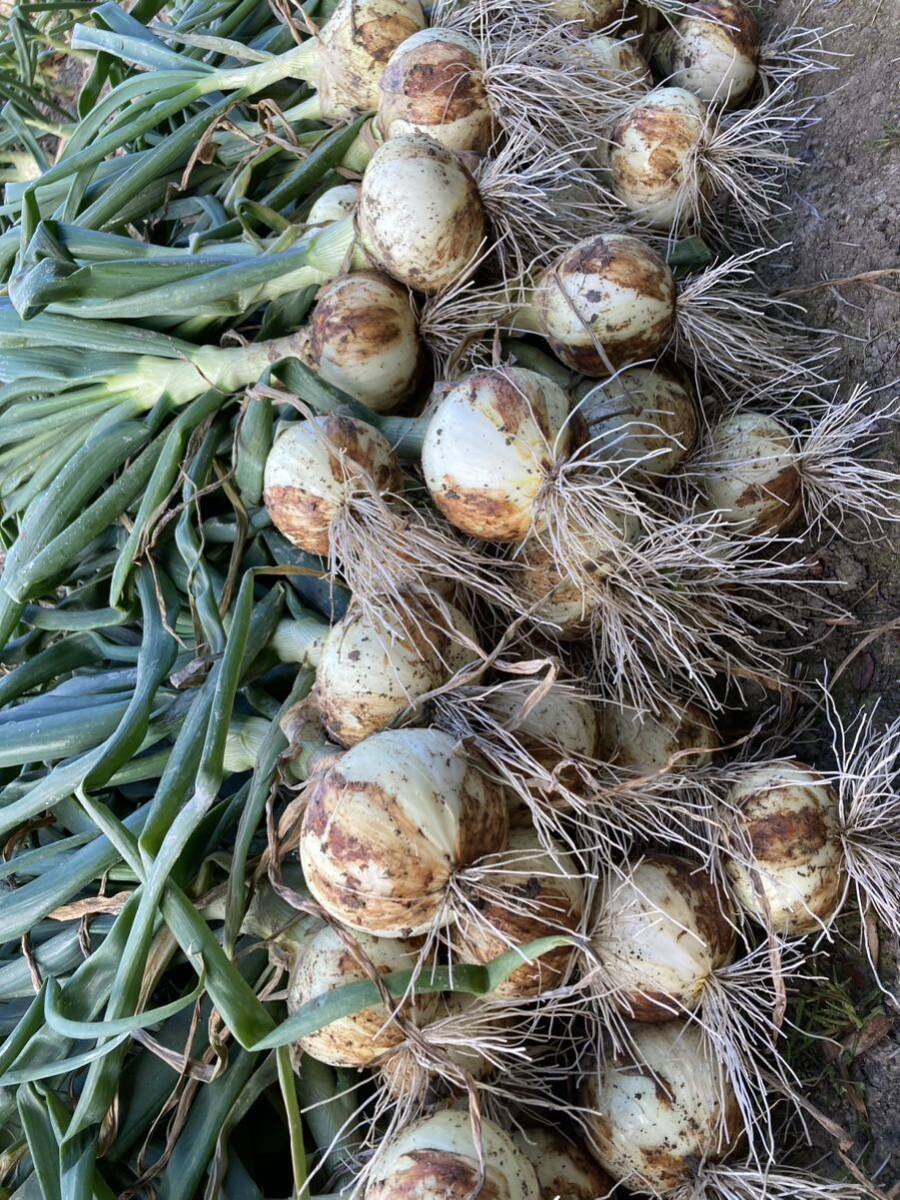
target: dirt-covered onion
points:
(363, 338)
(713, 51)
(314, 467)
(420, 216)
(433, 84)
(564, 1171)
(489, 447)
(787, 870)
(347, 56)
(750, 473)
(653, 154)
(334, 204)
(607, 302)
(386, 829)
(526, 894)
(589, 14)
(436, 1158)
(644, 415)
(656, 1114)
(560, 724)
(327, 963)
(368, 675)
(618, 61)
(647, 743)
(659, 934)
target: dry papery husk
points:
(663, 947)
(724, 171)
(805, 468)
(334, 487)
(611, 301)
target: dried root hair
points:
(750, 1180)
(735, 173)
(790, 54)
(750, 346)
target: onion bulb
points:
(655, 1115)
(313, 469)
(369, 675)
(433, 84)
(564, 1171)
(713, 51)
(437, 1158)
(791, 876)
(561, 724)
(386, 829)
(420, 215)
(653, 155)
(659, 934)
(526, 893)
(646, 744)
(644, 415)
(619, 62)
(750, 474)
(607, 302)
(489, 448)
(351, 50)
(590, 14)
(333, 205)
(362, 337)
(327, 963)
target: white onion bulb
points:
(564, 1171)
(561, 724)
(362, 337)
(713, 51)
(642, 414)
(657, 1115)
(313, 468)
(420, 215)
(353, 48)
(434, 85)
(646, 744)
(789, 816)
(529, 894)
(489, 447)
(620, 62)
(660, 934)
(335, 204)
(590, 14)
(390, 823)
(750, 472)
(326, 964)
(436, 1158)
(609, 301)
(368, 675)
(654, 151)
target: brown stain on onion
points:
(788, 836)
(742, 27)
(302, 517)
(438, 1173)
(434, 83)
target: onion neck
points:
(301, 641)
(302, 62)
(405, 434)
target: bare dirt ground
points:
(844, 226)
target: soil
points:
(845, 223)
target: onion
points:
(562, 724)
(368, 675)
(387, 827)
(313, 469)
(433, 85)
(590, 14)
(647, 743)
(362, 337)
(437, 1158)
(659, 935)
(326, 964)
(653, 155)
(792, 877)
(489, 448)
(713, 51)
(564, 1171)
(619, 62)
(607, 302)
(644, 415)
(333, 205)
(420, 215)
(352, 49)
(525, 894)
(750, 472)
(657, 1114)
